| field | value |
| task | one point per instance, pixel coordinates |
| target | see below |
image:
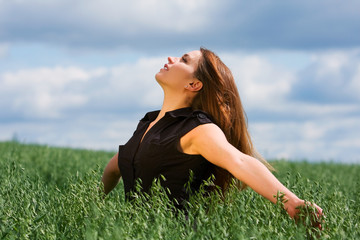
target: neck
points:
(172, 102)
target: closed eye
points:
(184, 58)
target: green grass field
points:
(52, 193)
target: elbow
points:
(113, 173)
(242, 167)
(236, 166)
(242, 160)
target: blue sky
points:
(81, 73)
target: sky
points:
(81, 73)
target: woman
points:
(201, 128)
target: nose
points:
(172, 59)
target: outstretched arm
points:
(209, 141)
(111, 175)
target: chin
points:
(158, 77)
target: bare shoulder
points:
(209, 141)
(203, 136)
(205, 131)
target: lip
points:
(165, 68)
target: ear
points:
(195, 86)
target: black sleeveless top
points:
(159, 154)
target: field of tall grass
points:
(53, 193)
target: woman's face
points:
(179, 71)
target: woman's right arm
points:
(111, 175)
(209, 141)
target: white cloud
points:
(141, 24)
(332, 76)
(312, 131)
(4, 48)
(174, 16)
(43, 92)
(319, 140)
(91, 132)
(111, 18)
(270, 87)
(259, 82)
(355, 81)
(51, 92)
(136, 82)
(303, 111)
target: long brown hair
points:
(219, 97)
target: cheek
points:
(184, 73)
(174, 75)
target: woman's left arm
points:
(209, 141)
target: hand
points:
(304, 211)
